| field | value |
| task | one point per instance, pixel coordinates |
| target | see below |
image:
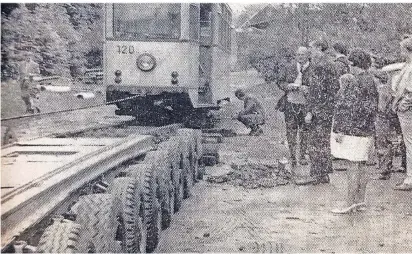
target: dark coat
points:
(323, 81)
(252, 106)
(342, 65)
(287, 74)
(356, 107)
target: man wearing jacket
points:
(323, 83)
(291, 81)
(253, 114)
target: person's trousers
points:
(387, 129)
(319, 149)
(295, 122)
(405, 119)
(28, 101)
(252, 120)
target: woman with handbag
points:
(353, 133)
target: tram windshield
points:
(146, 21)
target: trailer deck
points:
(38, 175)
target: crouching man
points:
(253, 114)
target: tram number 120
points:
(123, 49)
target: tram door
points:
(205, 54)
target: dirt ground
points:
(222, 217)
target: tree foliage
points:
(59, 37)
(377, 28)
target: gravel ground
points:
(221, 217)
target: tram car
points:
(167, 58)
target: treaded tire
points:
(162, 166)
(173, 148)
(152, 208)
(60, 237)
(97, 213)
(126, 189)
(187, 178)
(189, 138)
(199, 154)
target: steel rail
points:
(70, 110)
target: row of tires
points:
(129, 217)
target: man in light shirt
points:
(290, 81)
(27, 71)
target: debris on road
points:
(252, 175)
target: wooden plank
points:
(48, 141)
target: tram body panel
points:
(168, 38)
(123, 56)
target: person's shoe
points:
(258, 132)
(306, 180)
(384, 176)
(340, 169)
(361, 208)
(293, 162)
(403, 187)
(324, 179)
(371, 163)
(347, 210)
(252, 132)
(303, 161)
(399, 169)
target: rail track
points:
(106, 187)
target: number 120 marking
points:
(123, 49)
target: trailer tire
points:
(190, 139)
(161, 162)
(173, 148)
(97, 213)
(152, 209)
(199, 154)
(60, 237)
(179, 193)
(134, 234)
(187, 179)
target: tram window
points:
(224, 27)
(146, 21)
(205, 19)
(194, 22)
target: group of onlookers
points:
(333, 99)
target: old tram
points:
(172, 59)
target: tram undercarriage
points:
(163, 108)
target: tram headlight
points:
(174, 77)
(118, 78)
(146, 62)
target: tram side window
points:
(224, 18)
(194, 22)
(205, 20)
